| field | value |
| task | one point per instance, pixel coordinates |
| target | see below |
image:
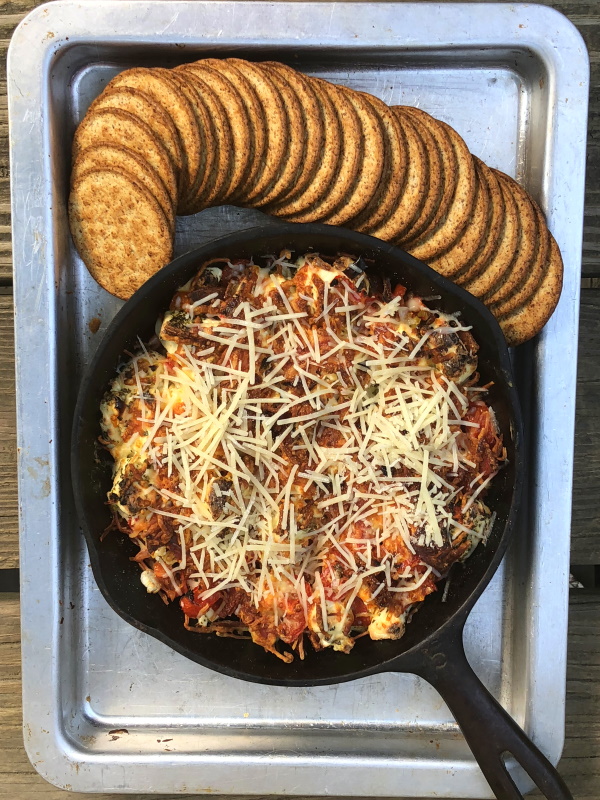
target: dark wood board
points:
(585, 531)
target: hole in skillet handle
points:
(118, 578)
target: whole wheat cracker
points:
(292, 160)
(491, 240)
(113, 126)
(313, 123)
(492, 272)
(412, 197)
(214, 163)
(276, 127)
(523, 293)
(208, 79)
(119, 229)
(209, 193)
(526, 247)
(527, 321)
(146, 108)
(395, 166)
(258, 123)
(435, 177)
(452, 261)
(159, 84)
(371, 164)
(328, 163)
(449, 168)
(121, 159)
(451, 226)
(351, 156)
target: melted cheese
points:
(398, 420)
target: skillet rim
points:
(245, 237)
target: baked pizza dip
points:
(299, 457)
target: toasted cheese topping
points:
(296, 454)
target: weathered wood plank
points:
(11, 13)
(585, 530)
(9, 527)
(10, 16)
(580, 764)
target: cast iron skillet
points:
(432, 646)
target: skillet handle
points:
(490, 732)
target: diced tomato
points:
(361, 614)
(486, 447)
(194, 606)
(167, 586)
(292, 625)
(330, 579)
(478, 413)
(399, 291)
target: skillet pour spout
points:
(432, 645)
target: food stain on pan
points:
(33, 473)
(94, 324)
(117, 733)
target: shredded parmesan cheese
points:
(301, 453)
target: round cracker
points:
(371, 165)
(113, 126)
(394, 174)
(197, 196)
(142, 105)
(450, 227)
(256, 115)
(435, 179)
(526, 248)
(449, 167)
(312, 123)
(121, 159)
(209, 187)
(119, 229)
(329, 159)
(526, 322)
(352, 152)
(414, 191)
(533, 278)
(494, 270)
(455, 259)
(292, 160)
(495, 226)
(238, 121)
(159, 84)
(276, 128)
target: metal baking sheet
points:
(109, 709)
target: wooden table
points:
(580, 764)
